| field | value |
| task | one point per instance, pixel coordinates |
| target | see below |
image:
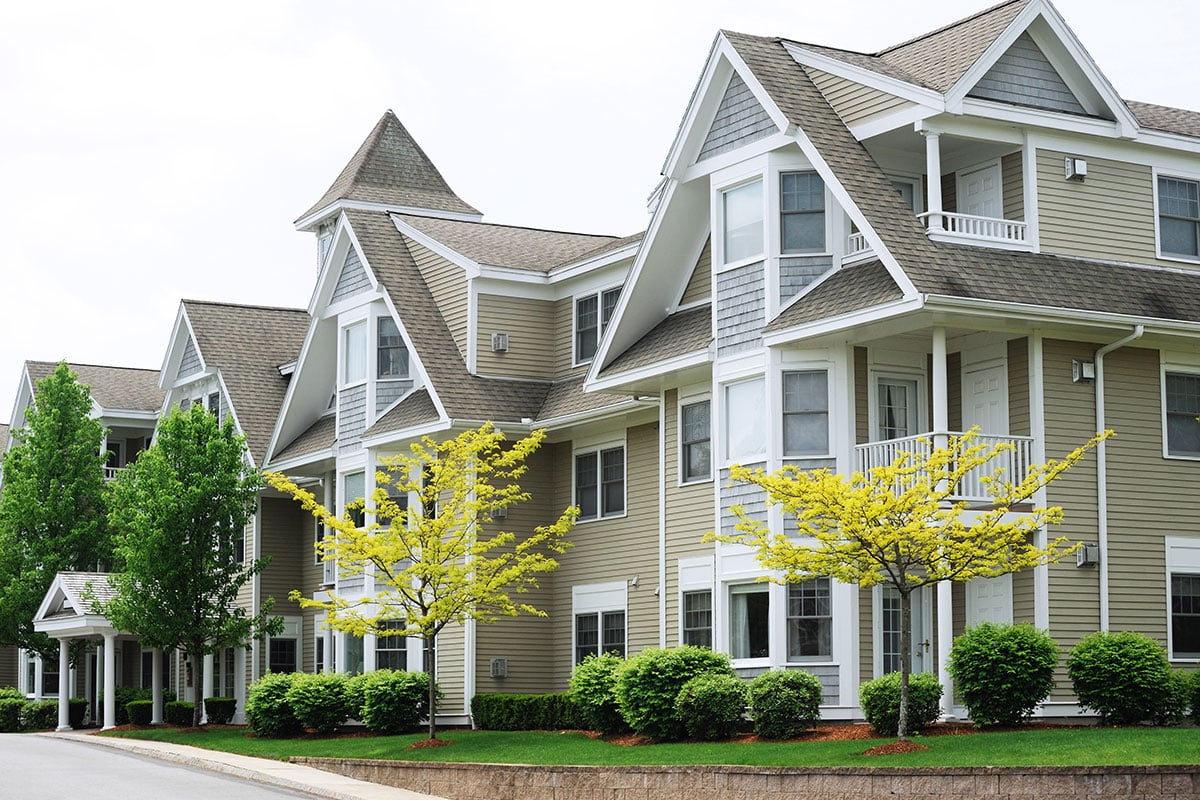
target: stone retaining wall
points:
(521, 782)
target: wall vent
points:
(499, 342)
(499, 667)
(1087, 556)
(500, 513)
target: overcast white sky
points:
(152, 151)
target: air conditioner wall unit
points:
(499, 342)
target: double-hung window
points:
(355, 485)
(354, 353)
(695, 442)
(392, 355)
(391, 649)
(806, 413)
(742, 214)
(1182, 406)
(809, 620)
(600, 483)
(697, 618)
(592, 315)
(745, 418)
(1179, 217)
(1185, 615)
(801, 212)
(598, 633)
(281, 654)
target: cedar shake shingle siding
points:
(352, 280)
(796, 273)
(740, 120)
(1024, 76)
(741, 308)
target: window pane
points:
(586, 484)
(802, 211)
(745, 420)
(805, 391)
(356, 488)
(749, 625)
(354, 654)
(1178, 198)
(612, 466)
(805, 413)
(695, 438)
(801, 191)
(897, 412)
(587, 636)
(697, 618)
(907, 193)
(803, 232)
(282, 655)
(1185, 616)
(743, 211)
(1178, 236)
(391, 651)
(809, 619)
(393, 356)
(1179, 216)
(587, 322)
(608, 303)
(356, 353)
(614, 632)
(1183, 407)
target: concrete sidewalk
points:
(296, 777)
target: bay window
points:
(801, 212)
(806, 413)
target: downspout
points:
(1102, 470)
(661, 591)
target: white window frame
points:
(344, 379)
(787, 599)
(1165, 370)
(919, 413)
(293, 629)
(401, 643)
(829, 411)
(750, 587)
(727, 457)
(719, 247)
(683, 628)
(378, 320)
(598, 599)
(599, 450)
(1181, 175)
(1182, 558)
(778, 212)
(344, 498)
(601, 324)
(686, 402)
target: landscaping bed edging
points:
(525, 782)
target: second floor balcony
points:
(1011, 465)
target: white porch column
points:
(110, 681)
(64, 685)
(933, 181)
(945, 602)
(206, 686)
(156, 687)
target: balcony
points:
(111, 473)
(1014, 463)
(971, 229)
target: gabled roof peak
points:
(390, 168)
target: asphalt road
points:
(39, 767)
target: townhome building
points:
(850, 255)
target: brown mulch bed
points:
(426, 743)
(891, 748)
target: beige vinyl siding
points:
(286, 537)
(525, 640)
(950, 192)
(564, 339)
(699, 286)
(529, 324)
(862, 412)
(312, 576)
(448, 284)
(1108, 215)
(691, 513)
(855, 102)
(1018, 425)
(1011, 186)
(866, 636)
(450, 675)
(609, 550)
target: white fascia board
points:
(24, 397)
(1039, 118)
(982, 127)
(1042, 314)
(428, 429)
(901, 118)
(306, 222)
(273, 442)
(991, 55)
(453, 256)
(621, 379)
(1172, 141)
(929, 98)
(224, 390)
(300, 460)
(759, 147)
(844, 322)
(511, 275)
(190, 378)
(174, 351)
(700, 94)
(55, 589)
(336, 245)
(597, 415)
(606, 259)
(135, 415)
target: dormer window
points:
(392, 354)
(354, 355)
(742, 211)
(592, 314)
(801, 212)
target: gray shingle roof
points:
(567, 397)
(247, 344)
(317, 437)
(78, 584)
(114, 388)
(391, 168)
(851, 289)
(416, 409)
(1164, 118)
(517, 248)
(463, 395)
(680, 333)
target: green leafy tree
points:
(52, 511)
(440, 559)
(179, 514)
(903, 525)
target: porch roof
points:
(68, 610)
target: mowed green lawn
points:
(1035, 747)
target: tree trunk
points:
(431, 670)
(198, 685)
(905, 660)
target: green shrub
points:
(1121, 676)
(355, 684)
(1195, 697)
(710, 706)
(140, 712)
(38, 715)
(648, 684)
(525, 712)
(1002, 672)
(880, 701)
(784, 703)
(219, 710)
(178, 712)
(11, 693)
(319, 701)
(393, 701)
(1176, 699)
(76, 710)
(593, 688)
(268, 711)
(10, 713)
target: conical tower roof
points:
(391, 168)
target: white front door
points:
(985, 399)
(989, 600)
(888, 629)
(979, 192)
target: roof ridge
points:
(224, 304)
(73, 364)
(509, 227)
(945, 28)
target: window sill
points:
(696, 481)
(582, 521)
(1182, 456)
(1182, 258)
(741, 262)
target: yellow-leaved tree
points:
(905, 524)
(432, 545)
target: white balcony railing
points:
(969, 226)
(857, 245)
(329, 572)
(1014, 463)
(110, 473)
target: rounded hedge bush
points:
(648, 684)
(268, 711)
(10, 713)
(1195, 697)
(39, 715)
(319, 700)
(219, 710)
(593, 686)
(784, 703)
(880, 701)
(179, 712)
(392, 701)
(1176, 699)
(1121, 676)
(140, 712)
(710, 706)
(1002, 672)
(76, 710)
